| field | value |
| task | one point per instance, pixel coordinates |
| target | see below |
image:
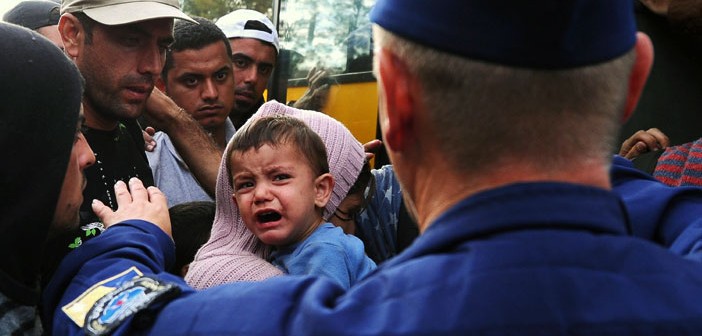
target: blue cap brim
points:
(551, 34)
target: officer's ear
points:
(639, 73)
(398, 104)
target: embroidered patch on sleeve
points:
(131, 297)
(77, 309)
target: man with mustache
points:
(198, 77)
(119, 47)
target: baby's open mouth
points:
(269, 216)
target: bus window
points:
(334, 35)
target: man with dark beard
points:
(119, 47)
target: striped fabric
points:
(681, 165)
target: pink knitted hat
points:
(233, 253)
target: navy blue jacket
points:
(669, 216)
(524, 259)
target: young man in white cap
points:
(255, 48)
(500, 122)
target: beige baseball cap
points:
(118, 12)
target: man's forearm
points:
(198, 150)
(194, 145)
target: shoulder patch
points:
(77, 309)
(131, 297)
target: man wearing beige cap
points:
(119, 47)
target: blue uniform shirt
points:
(669, 216)
(524, 259)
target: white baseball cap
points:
(238, 24)
(118, 12)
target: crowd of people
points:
(232, 215)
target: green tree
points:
(213, 9)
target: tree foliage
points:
(214, 9)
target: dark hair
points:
(191, 224)
(282, 129)
(188, 35)
(365, 178)
(365, 188)
(88, 25)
